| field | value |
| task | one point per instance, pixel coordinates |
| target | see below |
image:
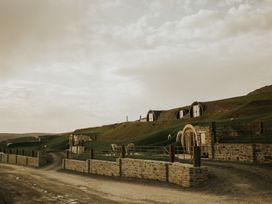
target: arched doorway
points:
(188, 139)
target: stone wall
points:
(208, 137)
(234, 152)
(33, 162)
(259, 153)
(75, 165)
(12, 159)
(4, 158)
(23, 160)
(144, 169)
(186, 175)
(181, 174)
(105, 168)
(263, 153)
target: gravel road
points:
(228, 183)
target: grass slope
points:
(254, 107)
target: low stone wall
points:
(22, 160)
(12, 159)
(264, 153)
(186, 175)
(249, 153)
(75, 165)
(181, 174)
(4, 158)
(33, 162)
(105, 168)
(234, 152)
(144, 169)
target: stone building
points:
(77, 143)
(191, 136)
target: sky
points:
(68, 64)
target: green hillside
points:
(254, 107)
(233, 112)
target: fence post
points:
(254, 152)
(261, 128)
(171, 153)
(197, 156)
(123, 153)
(213, 139)
(92, 154)
(67, 154)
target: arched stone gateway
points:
(188, 138)
(191, 136)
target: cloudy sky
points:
(66, 64)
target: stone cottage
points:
(191, 136)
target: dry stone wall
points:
(144, 169)
(12, 159)
(234, 152)
(249, 153)
(181, 174)
(186, 175)
(33, 162)
(105, 168)
(22, 160)
(75, 165)
(4, 158)
(264, 153)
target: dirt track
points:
(228, 183)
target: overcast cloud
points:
(66, 64)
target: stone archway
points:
(188, 138)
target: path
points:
(228, 183)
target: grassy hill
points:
(249, 109)
(19, 137)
